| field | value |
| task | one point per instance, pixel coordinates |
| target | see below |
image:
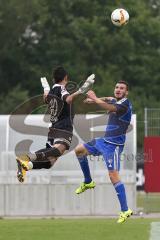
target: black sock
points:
(44, 153)
(42, 164)
(40, 154)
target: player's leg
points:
(60, 141)
(120, 189)
(112, 159)
(44, 159)
(121, 194)
(82, 151)
(40, 159)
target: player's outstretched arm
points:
(83, 89)
(109, 107)
(70, 98)
(105, 99)
(87, 84)
(88, 101)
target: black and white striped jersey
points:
(61, 113)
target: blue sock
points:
(83, 161)
(121, 194)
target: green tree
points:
(8, 102)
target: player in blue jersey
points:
(110, 146)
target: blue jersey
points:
(118, 122)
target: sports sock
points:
(41, 164)
(38, 155)
(44, 153)
(121, 194)
(83, 161)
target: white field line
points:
(155, 231)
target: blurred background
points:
(38, 35)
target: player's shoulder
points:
(56, 85)
(57, 88)
(124, 101)
(60, 91)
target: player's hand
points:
(45, 85)
(91, 78)
(91, 94)
(87, 84)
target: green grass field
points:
(75, 229)
(149, 203)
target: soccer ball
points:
(119, 17)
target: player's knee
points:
(80, 150)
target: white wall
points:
(51, 192)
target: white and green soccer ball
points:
(119, 17)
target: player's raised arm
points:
(88, 101)
(108, 99)
(101, 102)
(105, 99)
(83, 89)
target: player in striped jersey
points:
(61, 116)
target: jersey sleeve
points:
(64, 93)
(48, 98)
(113, 101)
(122, 106)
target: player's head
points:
(60, 74)
(121, 89)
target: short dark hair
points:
(59, 74)
(124, 82)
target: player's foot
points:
(22, 164)
(84, 186)
(124, 215)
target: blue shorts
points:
(110, 152)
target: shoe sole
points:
(19, 172)
(22, 164)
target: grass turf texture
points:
(149, 203)
(79, 229)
